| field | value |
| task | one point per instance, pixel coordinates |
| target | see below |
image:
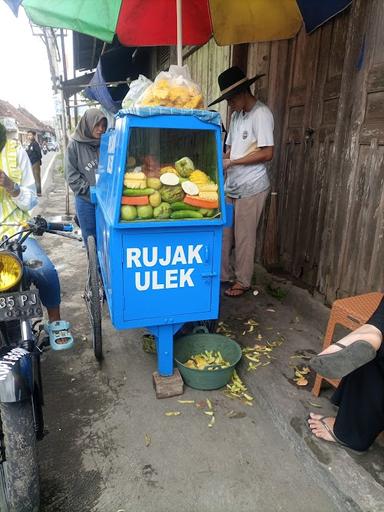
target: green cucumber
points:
(136, 192)
(179, 205)
(186, 214)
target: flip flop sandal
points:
(332, 434)
(240, 289)
(338, 364)
(59, 330)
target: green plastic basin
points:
(192, 344)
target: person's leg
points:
(36, 169)
(87, 218)
(43, 275)
(247, 217)
(370, 332)
(359, 396)
(322, 426)
(228, 238)
(353, 351)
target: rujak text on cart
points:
(168, 256)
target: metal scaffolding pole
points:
(49, 38)
(68, 111)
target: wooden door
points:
(311, 120)
(359, 233)
(302, 58)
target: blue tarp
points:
(98, 91)
(14, 5)
(204, 115)
(116, 66)
(317, 12)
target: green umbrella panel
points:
(97, 18)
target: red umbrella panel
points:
(144, 23)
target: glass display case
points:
(170, 174)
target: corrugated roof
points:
(24, 119)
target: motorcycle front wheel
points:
(19, 477)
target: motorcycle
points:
(21, 393)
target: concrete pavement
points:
(100, 418)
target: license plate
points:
(20, 305)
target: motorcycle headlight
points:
(11, 270)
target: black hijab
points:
(84, 128)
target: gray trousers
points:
(36, 169)
(242, 237)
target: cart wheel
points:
(94, 298)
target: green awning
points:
(97, 18)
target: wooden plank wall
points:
(205, 64)
(326, 92)
(359, 267)
(270, 58)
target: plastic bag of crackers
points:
(173, 88)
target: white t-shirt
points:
(246, 131)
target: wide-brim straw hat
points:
(232, 81)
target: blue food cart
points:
(160, 268)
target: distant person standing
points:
(34, 153)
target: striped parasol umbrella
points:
(160, 22)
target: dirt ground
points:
(111, 448)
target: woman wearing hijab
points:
(82, 159)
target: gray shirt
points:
(247, 131)
(81, 162)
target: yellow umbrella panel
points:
(246, 21)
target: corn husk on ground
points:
(208, 360)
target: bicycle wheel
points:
(93, 297)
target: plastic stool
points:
(351, 313)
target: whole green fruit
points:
(171, 193)
(155, 199)
(145, 212)
(184, 167)
(163, 211)
(128, 212)
(154, 183)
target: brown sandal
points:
(237, 290)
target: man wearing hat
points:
(249, 147)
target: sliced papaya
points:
(201, 203)
(135, 201)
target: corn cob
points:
(199, 177)
(208, 187)
(209, 196)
